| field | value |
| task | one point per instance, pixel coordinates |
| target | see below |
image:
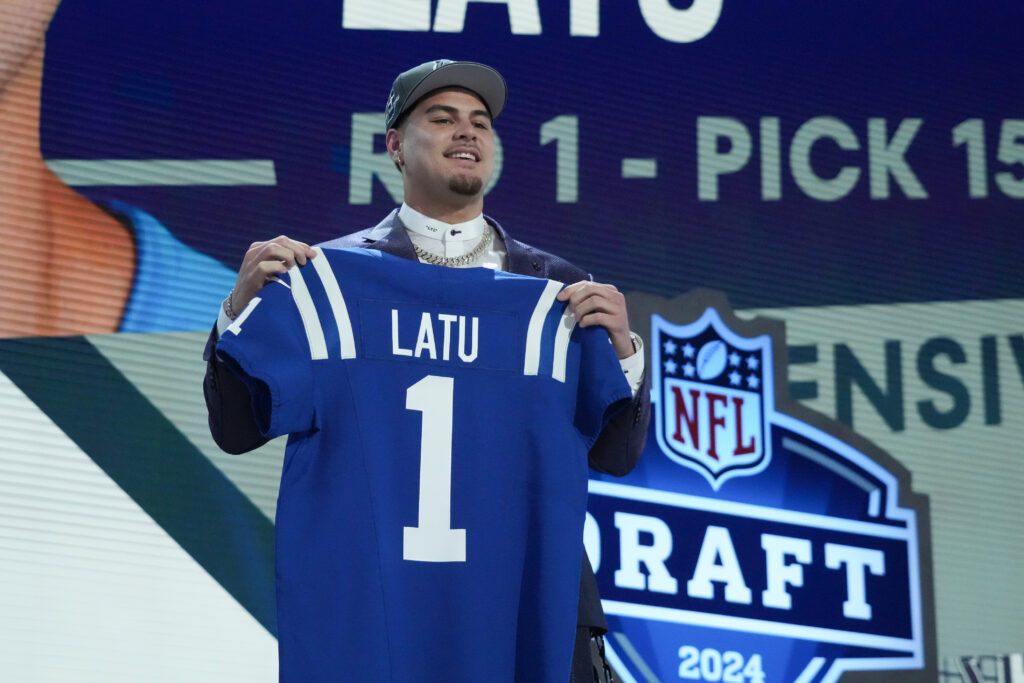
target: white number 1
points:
(434, 539)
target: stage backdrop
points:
(855, 171)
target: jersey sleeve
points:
(266, 347)
(602, 385)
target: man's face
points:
(446, 146)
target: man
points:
(439, 119)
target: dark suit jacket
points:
(615, 452)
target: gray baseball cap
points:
(413, 84)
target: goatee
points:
(465, 185)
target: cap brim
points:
(486, 82)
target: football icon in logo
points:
(711, 359)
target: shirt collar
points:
(420, 224)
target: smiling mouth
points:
(466, 156)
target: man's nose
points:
(465, 129)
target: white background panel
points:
(91, 589)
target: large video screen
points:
(854, 171)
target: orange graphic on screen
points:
(81, 267)
(70, 264)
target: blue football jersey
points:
(430, 516)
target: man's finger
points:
(282, 247)
(273, 251)
(570, 290)
(272, 268)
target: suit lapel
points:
(390, 237)
(521, 258)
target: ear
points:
(394, 145)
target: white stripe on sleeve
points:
(310, 319)
(561, 350)
(535, 330)
(337, 301)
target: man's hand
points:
(262, 263)
(597, 304)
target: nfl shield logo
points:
(812, 568)
(713, 390)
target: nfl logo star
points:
(712, 395)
